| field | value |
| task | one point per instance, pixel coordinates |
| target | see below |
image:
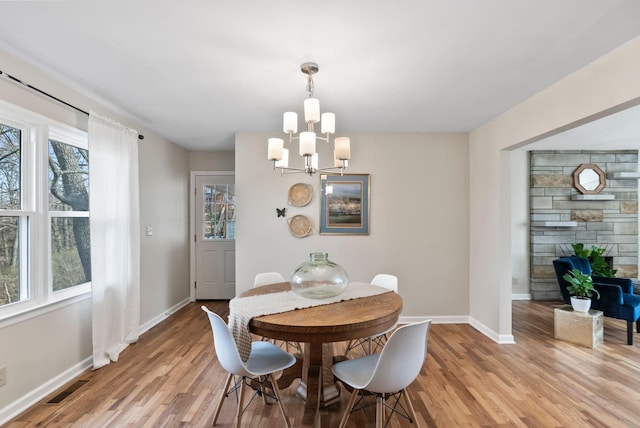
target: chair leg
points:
(261, 380)
(379, 410)
(221, 398)
(629, 332)
(240, 409)
(276, 391)
(412, 412)
(347, 412)
(348, 348)
(638, 326)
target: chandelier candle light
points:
(307, 139)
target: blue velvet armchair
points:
(616, 294)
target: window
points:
(219, 211)
(44, 211)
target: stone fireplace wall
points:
(560, 215)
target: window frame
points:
(36, 131)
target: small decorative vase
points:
(580, 304)
(319, 278)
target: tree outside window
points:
(10, 202)
(68, 209)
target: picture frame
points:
(344, 204)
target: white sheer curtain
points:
(115, 238)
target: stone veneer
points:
(610, 224)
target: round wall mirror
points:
(589, 179)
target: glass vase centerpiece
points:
(319, 278)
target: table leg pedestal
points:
(317, 386)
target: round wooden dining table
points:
(318, 327)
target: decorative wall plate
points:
(300, 194)
(299, 226)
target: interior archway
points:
(617, 128)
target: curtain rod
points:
(40, 91)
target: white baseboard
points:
(163, 316)
(501, 339)
(526, 296)
(14, 409)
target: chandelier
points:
(307, 139)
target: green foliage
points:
(66, 269)
(599, 266)
(581, 283)
(9, 290)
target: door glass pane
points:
(68, 177)
(10, 290)
(9, 167)
(219, 212)
(70, 252)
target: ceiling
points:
(197, 71)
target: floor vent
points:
(67, 392)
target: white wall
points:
(520, 250)
(418, 218)
(608, 84)
(43, 351)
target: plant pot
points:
(580, 304)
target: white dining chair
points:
(257, 372)
(387, 374)
(266, 278)
(373, 343)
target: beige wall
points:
(164, 206)
(608, 84)
(418, 218)
(58, 343)
(211, 161)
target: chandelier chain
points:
(310, 86)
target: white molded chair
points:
(374, 343)
(258, 372)
(265, 278)
(388, 373)
(387, 281)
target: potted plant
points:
(599, 265)
(581, 289)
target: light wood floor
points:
(170, 378)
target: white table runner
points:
(242, 309)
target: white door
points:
(215, 232)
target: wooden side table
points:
(581, 328)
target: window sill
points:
(36, 311)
